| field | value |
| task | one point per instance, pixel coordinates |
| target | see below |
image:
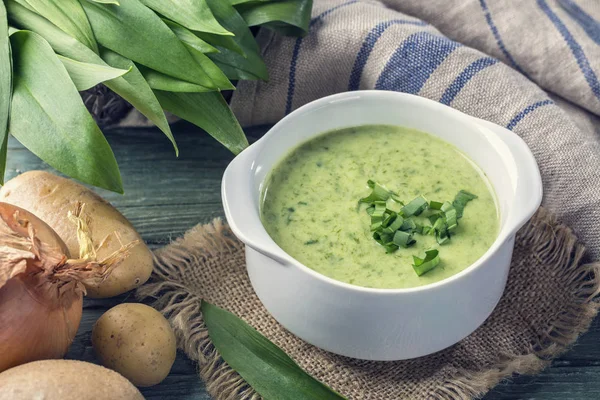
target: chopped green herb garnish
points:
(394, 230)
(461, 200)
(403, 239)
(392, 223)
(435, 205)
(415, 207)
(408, 225)
(395, 197)
(422, 265)
(312, 241)
(379, 193)
(451, 215)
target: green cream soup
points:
(310, 204)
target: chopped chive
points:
(408, 225)
(379, 193)
(461, 200)
(434, 217)
(390, 248)
(435, 205)
(451, 215)
(395, 197)
(392, 223)
(415, 207)
(422, 265)
(403, 239)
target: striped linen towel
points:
(531, 66)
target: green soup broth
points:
(310, 204)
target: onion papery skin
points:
(36, 322)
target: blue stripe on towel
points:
(517, 118)
(369, 44)
(582, 60)
(464, 77)
(296, 54)
(585, 20)
(414, 61)
(499, 41)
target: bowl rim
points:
(252, 151)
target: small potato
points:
(51, 197)
(136, 341)
(65, 380)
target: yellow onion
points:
(41, 286)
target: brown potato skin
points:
(51, 197)
(136, 341)
(65, 380)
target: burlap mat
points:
(549, 300)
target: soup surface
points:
(310, 204)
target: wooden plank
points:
(166, 196)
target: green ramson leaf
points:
(210, 112)
(188, 37)
(137, 33)
(132, 87)
(50, 119)
(106, 2)
(225, 42)
(288, 17)
(193, 14)
(234, 65)
(271, 372)
(217, 76)
(5, 88)
(159, 81)
(86, 75)
(68, 15)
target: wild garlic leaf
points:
(188, 37)
(193, 14)
(5, 88)
(115, 2)
(217, 76)
(53, 123)
(68, 15)
(132, 87)
(235, 66)
(267, 368)
(159, 81)
(225, 42)
(288, 17)
(137, 33)
(210, 112)
(87, 75)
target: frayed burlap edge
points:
(560, 249)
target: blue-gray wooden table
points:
(165, 196)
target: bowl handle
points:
(241, 208)
(528, 190)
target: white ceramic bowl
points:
(381, 324)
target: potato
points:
(136, 341)
(65, 380)
(51, 197)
